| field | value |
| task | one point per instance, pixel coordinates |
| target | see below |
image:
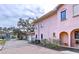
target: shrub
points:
(56, 41)
(44, 42)
(49, 44)
(37, 41)
(52, 45)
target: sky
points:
(10, 13)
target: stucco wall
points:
(54, 23)
(71, 23)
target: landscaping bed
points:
(61, 48)
(56, 47)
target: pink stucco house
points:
(62, 22)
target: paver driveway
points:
(23, 47)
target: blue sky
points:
(10, 13)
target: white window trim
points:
(73, 10)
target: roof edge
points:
(50, 13)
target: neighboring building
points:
(30, 36)
(5, 35)
(62, 22)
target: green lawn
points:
(2, 42)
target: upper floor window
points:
(35, 27)
(76, 10)
(41, 25)
(63, 15)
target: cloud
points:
(10, 13)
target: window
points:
(76, 10)
(35, 27)
(77, 35)
(63, 15)
(53, 34)
(36, 35)
(41, 25)
(41, 36)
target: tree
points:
(5, 29)
(17, 32)
(0, 28)
(25, 26)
